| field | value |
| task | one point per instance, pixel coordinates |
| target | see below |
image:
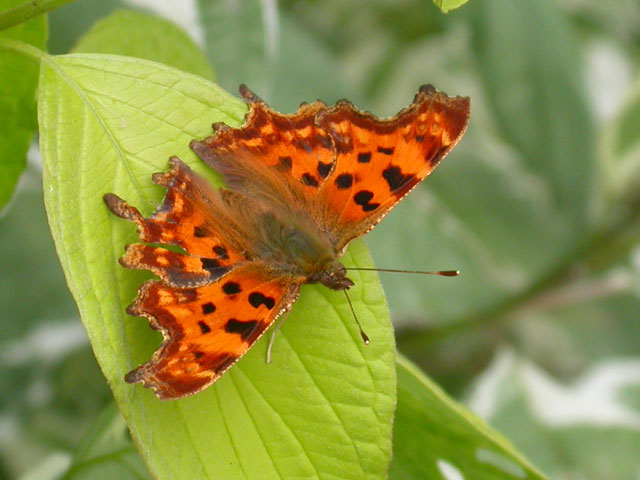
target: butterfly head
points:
(333, 277)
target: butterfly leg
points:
(281, 321)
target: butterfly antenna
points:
(442, 273)
(353, 312)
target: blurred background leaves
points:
(538, 207)
(17, 101)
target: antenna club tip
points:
(450, 273)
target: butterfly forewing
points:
(379, 161)
(295, 151)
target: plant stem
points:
(26, 11)
(24, 48)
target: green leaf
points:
(529, 63)
(303, 66)
(323, 406)
(433, 435)
(431, 431)
(497, 198)
(567, 337)
(69, 23)
(240, 42)
(146, 36)
(18, 77)
(578, 429)
(621, 150)
(273, 54)
(22, 12)
(106, 452)
(447, 5)
(23, 254)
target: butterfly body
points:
(300, 187)
(294, 246)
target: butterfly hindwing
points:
(208, 328)
(211, 302)
(174, 268)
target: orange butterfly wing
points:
(270, 147)
(339, 167)
(190, 198)
(379, 161)
(208, 328)
(212, 303)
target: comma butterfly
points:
(300, 187)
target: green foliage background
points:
(538, 206)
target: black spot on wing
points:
(244, 329)
(309, 180)
(208, 308)
(231, 288)
(256, 299)
(213, 266)
(363, 198)
(210, 263)
(395, 178)
(344, 181)
(204, 328)
(364, 157)
(324, 169)
(199, 232)
(386, 151)
(284, 163)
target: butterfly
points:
(299, 188)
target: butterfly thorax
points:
(300, 250)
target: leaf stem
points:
(26, 11)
